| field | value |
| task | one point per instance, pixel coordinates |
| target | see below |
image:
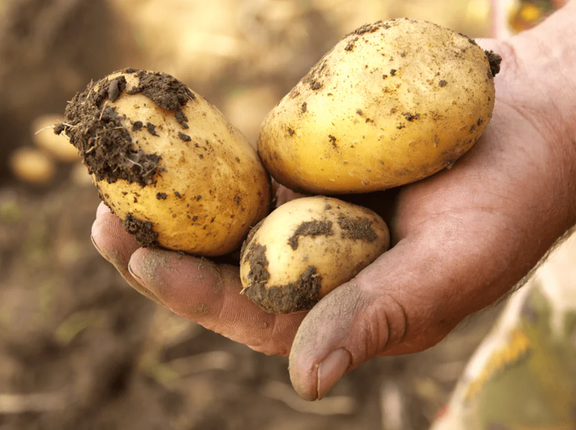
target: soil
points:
(299, 296)
(255, 255)
(302, 295)
(495, 60)
(310, 228)
(164, 90)
(357, 229)
(184, 137)
(104, 144)
(370, 28)
(143, 231)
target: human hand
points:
(462, 238)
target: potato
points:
(32, 166)
(392, 103)
(168, 163)
(306, 248)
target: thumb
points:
(409, 299)
(342, 331)
(352, 324)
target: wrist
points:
(546, 59)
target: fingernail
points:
(99, 250)
(332, 369)
(135, 275)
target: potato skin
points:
(190, 181)
(306, 248)
(392, 103)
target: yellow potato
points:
(168, 163)
(32, 166)
(305, 249)
(392, 103)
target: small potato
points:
(168, 163)
(305, 249)
(32, 166)
(392, 103)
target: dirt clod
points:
(184, 137)
(411, 117)
(142, 231)
(151, 129)
(369, 28)
(258, 262)
(284, 299)
(495, 60)
(103, 142)
(116, 87)
(357, 229)
(312, 229)
(164, 90)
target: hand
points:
(462, 239)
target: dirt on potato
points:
(312, 229)
(96, 130)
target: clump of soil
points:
(97, 130)
(495, 60)
(142, 231)
(299, 296)
(256, 256)
(357, 229)
(311, 228)
(284, 299)
(164, 90)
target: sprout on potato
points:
(306, 248)
(168, 163)
(392, 103)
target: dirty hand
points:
(462, 238)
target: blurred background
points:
(78, 348)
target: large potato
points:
(306, 248)
(168, 163)
(392, 103)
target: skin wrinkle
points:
(403, 328)
(279, 331)
(391, 276)
(276, 333)
(561, 58)
(544, 126)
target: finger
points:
(209, 294)
(116, 245)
